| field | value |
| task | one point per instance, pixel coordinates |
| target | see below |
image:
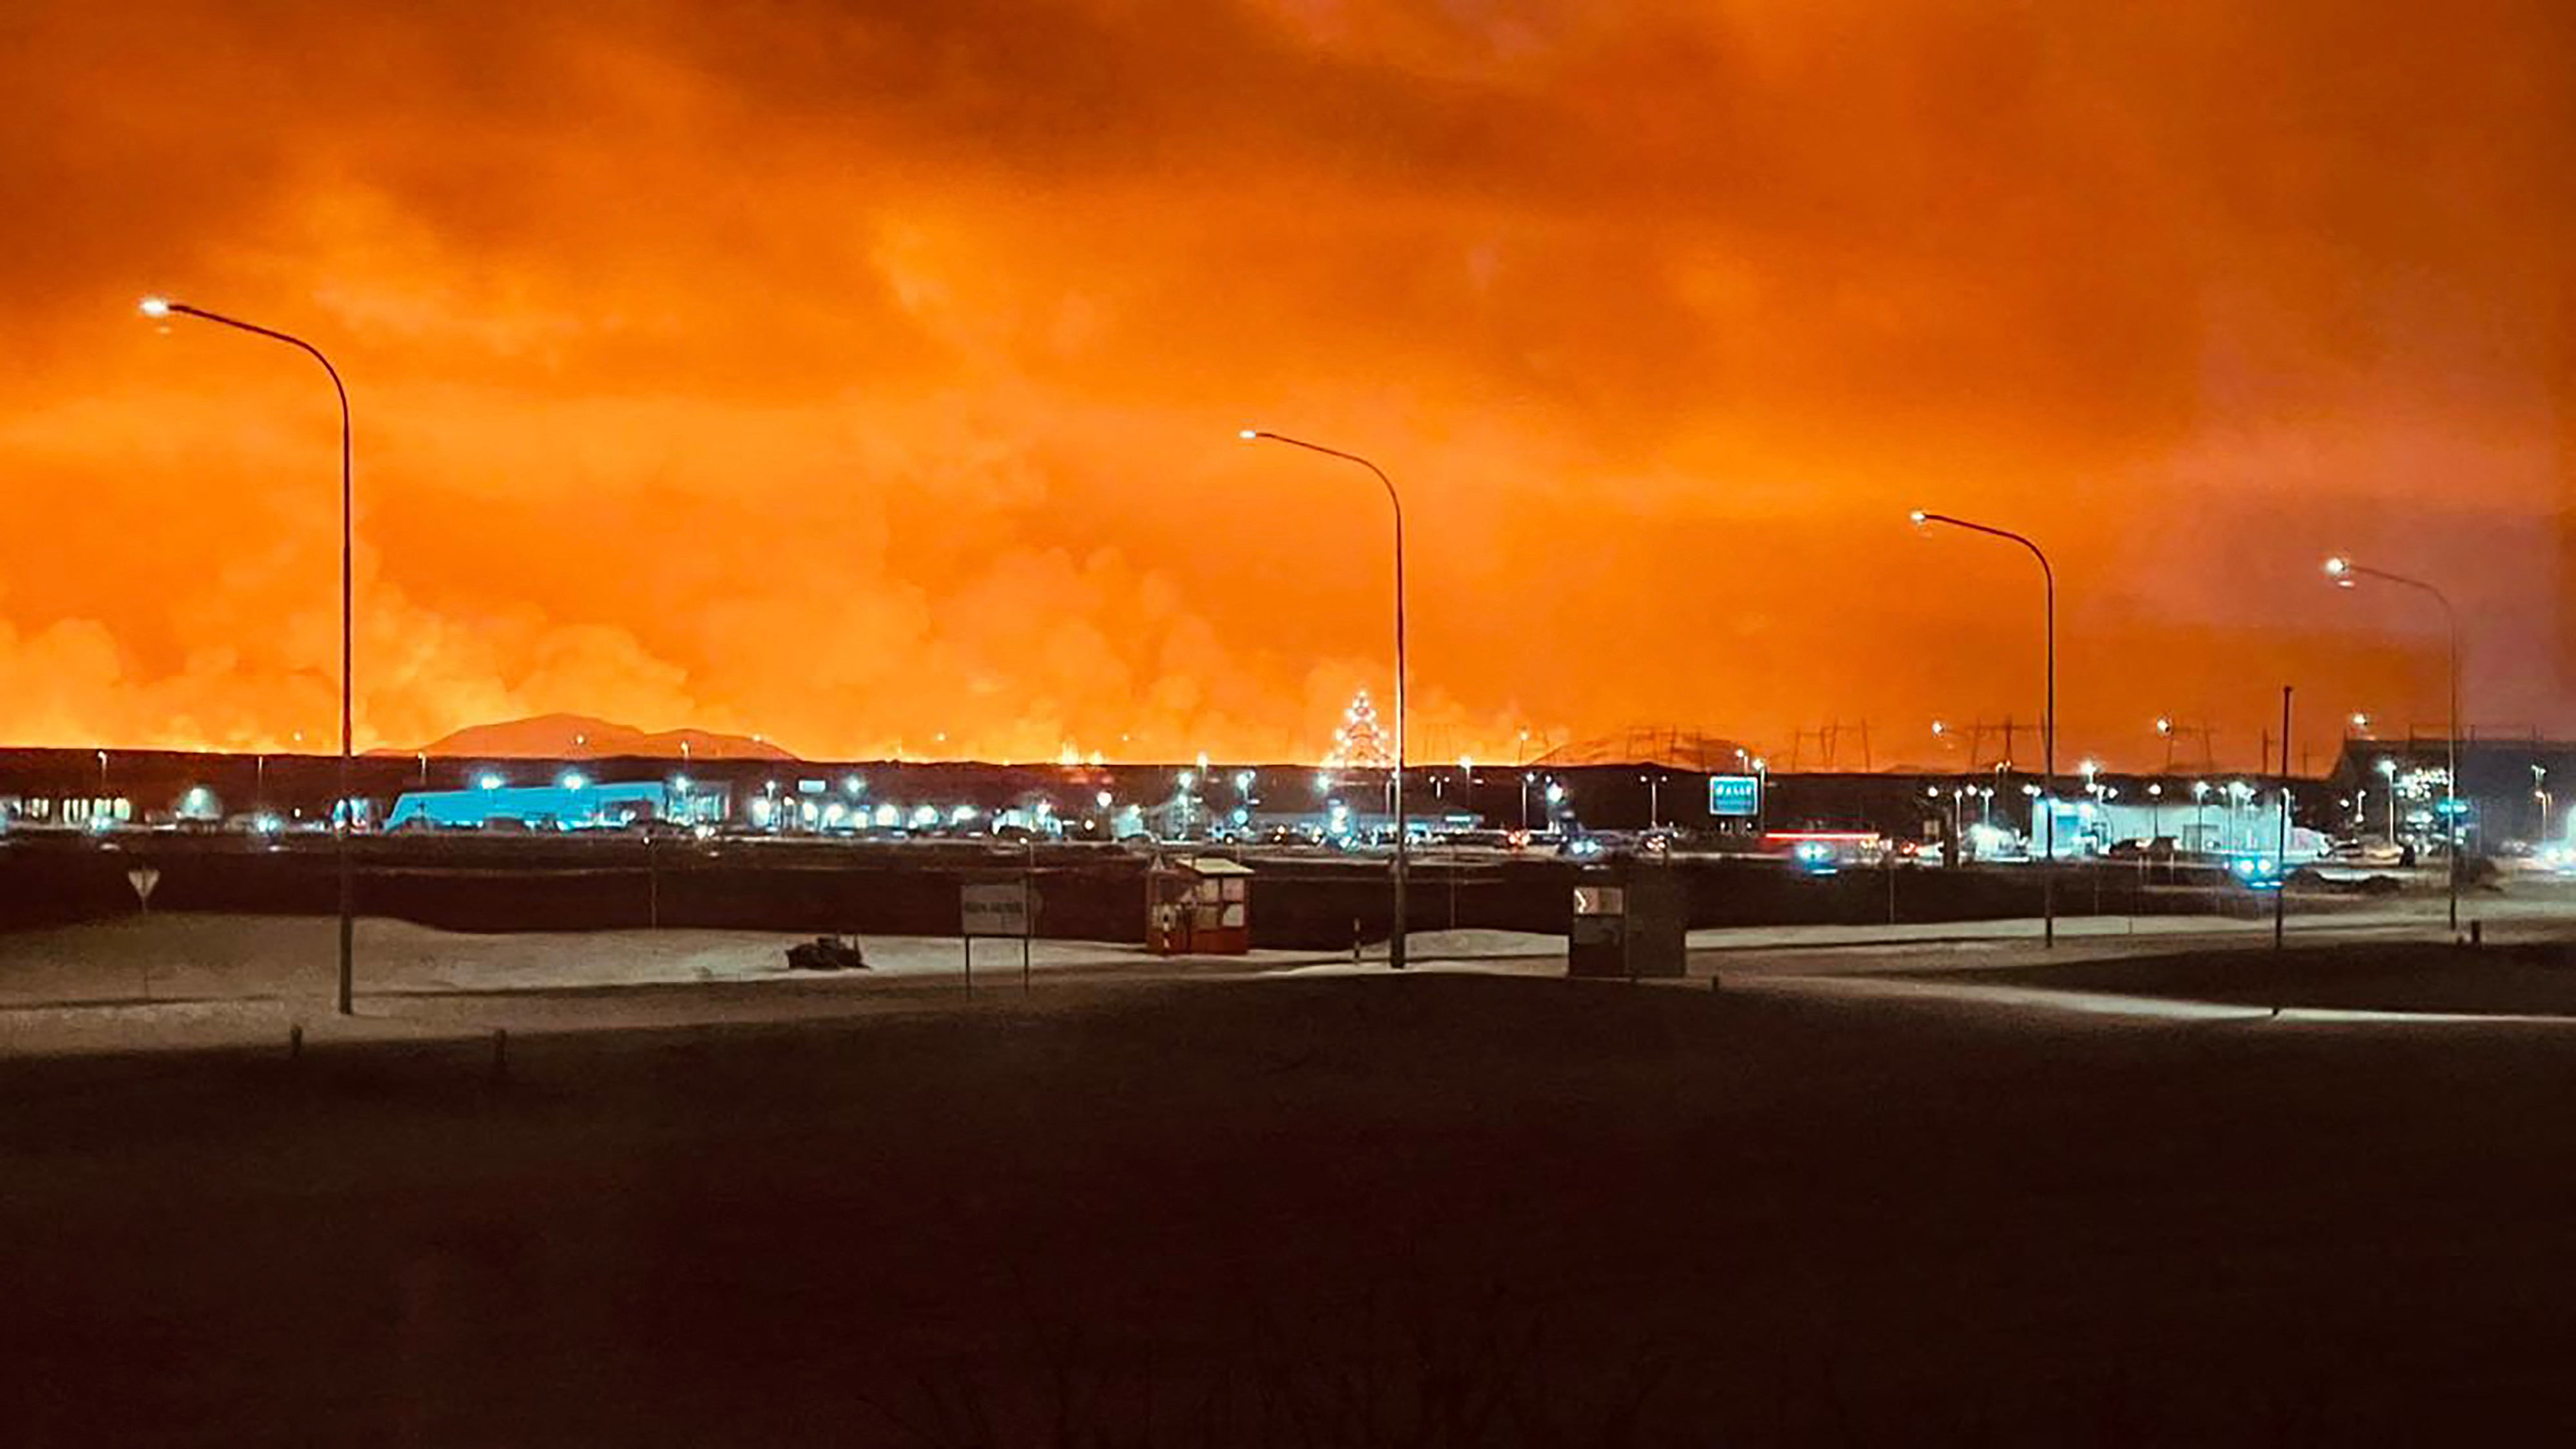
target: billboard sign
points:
(1734, 797)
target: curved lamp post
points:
(2346, 573)
(162, 307)
(2048, 721)
(1395, 940)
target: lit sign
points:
(1736, 797)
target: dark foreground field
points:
(1438, 1210)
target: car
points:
(2255, 871)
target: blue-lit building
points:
(569, 804)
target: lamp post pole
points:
(1395, 780)
(157, 307)
(2048, 721)
(2344, 572)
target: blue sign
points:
(1734, 797)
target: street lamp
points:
(161, 308)
(2048, 720)
(2388, 774)
(1395, 938)
(2345, 573)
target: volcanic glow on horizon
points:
(872, 374)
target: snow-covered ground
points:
(170, 957)
(180, 980)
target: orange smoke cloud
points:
(867, 376)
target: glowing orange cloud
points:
(869, 376)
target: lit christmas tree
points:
(1359, 744)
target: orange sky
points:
(860, 373)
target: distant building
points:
(567, 805)
(2508, 790)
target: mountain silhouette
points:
(575, 736)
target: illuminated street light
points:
(574, 780)
(1395, 937)
(2388, 774)
(161, 309)
(2048, 720)
(2345, 572)
(489, 781)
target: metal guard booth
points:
(1198, 905)
(1629, 922)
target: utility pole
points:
(2281, 852)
